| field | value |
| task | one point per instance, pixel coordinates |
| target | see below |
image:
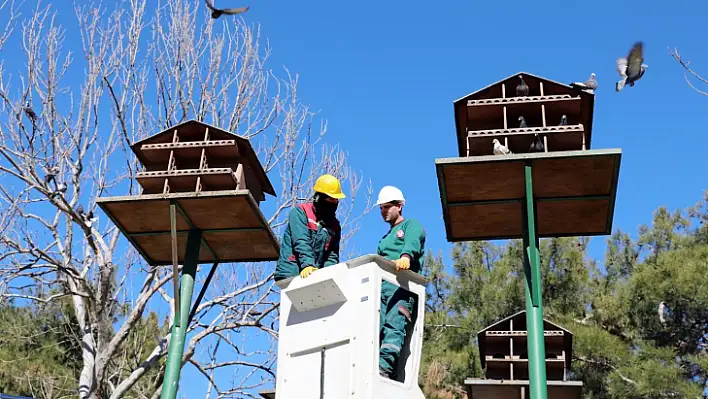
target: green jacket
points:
(307, 241)
(407, 237)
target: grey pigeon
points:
(217, 12)
(564, 120)
(29, 111)
(537, 145)
(522, 122)
(590, 84)
(632, 68)
(499, 149)
(522, 90)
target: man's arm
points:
(300, 234)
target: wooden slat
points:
(579, 217)
(489, 181)
(559, 138)
(185, 180)
(496, 220)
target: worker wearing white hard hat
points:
(404, 244)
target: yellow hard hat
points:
(329, 185)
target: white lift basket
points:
(328, 346)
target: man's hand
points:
(305, 273)
(403, 264)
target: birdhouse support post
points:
(534, 305)
(181, 321)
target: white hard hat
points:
(388, 194)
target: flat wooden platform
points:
(502, 389)
(233, 227)
(483, 197)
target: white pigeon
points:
(499, 149)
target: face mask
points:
(325, 209)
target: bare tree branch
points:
(65, 143)
(688, 71)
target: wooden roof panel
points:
(232, 225)
(483, 197)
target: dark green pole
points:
(179, 328)
(534, 306)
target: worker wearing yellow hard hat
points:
(313, 233)
(404, 244)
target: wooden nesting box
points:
(483, 197)
(503, 355)
(217, 183)
(493, 112)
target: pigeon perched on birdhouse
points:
(522, 90)
(564, 120)
(217, 12)
(522, 122)
(537, 145)
(631, 68)
(590, 84)
(500, 149)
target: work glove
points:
(402, 264)
(305, 273)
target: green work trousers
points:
(397, 317)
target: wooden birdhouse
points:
(483, 194)
(504, 357)
(196, 157)
(494, 111)
(217, 183)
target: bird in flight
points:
(217, 12)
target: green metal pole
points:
(534, 306)
(179, 328)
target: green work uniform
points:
(307, 241)
(398, 306)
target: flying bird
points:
(537, 145)
(590, 84)
(217, 12)
(631, 68)
(499, 149)
(522, 90)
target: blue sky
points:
(385, 74)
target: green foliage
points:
(38, 352)
(40, 356)
(639, 325)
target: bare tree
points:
(65, 128)
(688, 73)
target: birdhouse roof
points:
(494, 90)
(192, 129)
